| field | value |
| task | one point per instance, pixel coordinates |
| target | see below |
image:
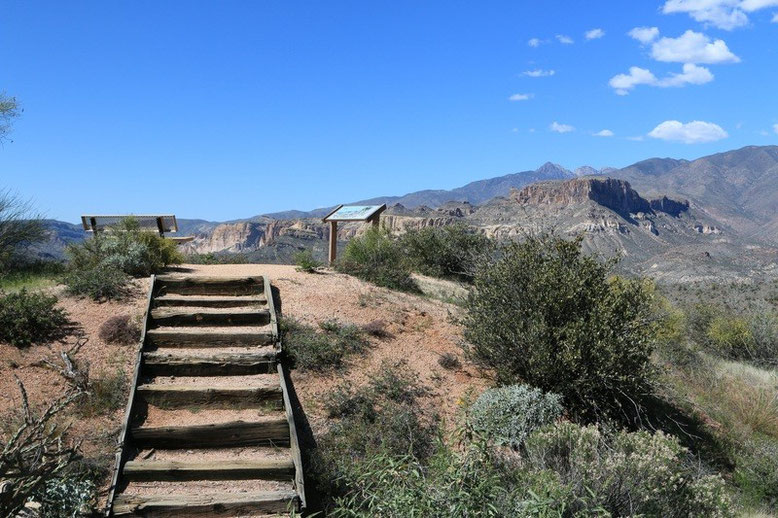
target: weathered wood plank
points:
(267, 432)
(294, 443)
(171, 396)
(159, 363)
(202, 285)
(121, 450)
(204, 337)
(219, 504)
(264, 469)
(214, 317)
(211, 301)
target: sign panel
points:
(354, 213)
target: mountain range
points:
(683, 219)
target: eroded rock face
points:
(614, 194)
(668, 206)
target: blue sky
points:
(222, 110)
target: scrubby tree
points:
(545, 314)
(9, 110)
(20, 225)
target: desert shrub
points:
(380, 417)
(305, 261)
(106, 394)
(377, 329)
(507, 415)
(757, 472)
(98, 266)
(327, 348)
(376, 257)
(120, 329)
(212, 258)
(29, 318)
(101, 282)
(764, 331)
(67, 497)
(449, 361)
(730, 336)
(543, 313)
(20, 225)
(627, 474)
(450, 251)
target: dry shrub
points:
(377, 329)
(120, 329)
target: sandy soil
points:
(156, 416)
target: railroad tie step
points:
(217, 504)
(172, 396)
(259, 469)
(211, 301)
(193, 316)
(269, 431)
(160, 363)
(209, 337)
(201, 285)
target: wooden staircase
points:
(208, 429)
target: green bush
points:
(380, 417)
(451, 251)
(756, 473)
(376, 257)
(327, 348)
(99, 283)
(543, 313)
(67, 497)
(212, 258)
(507, 415)
(627, 474)
(305, 261)
(30, 318)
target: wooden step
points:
(269, 431)
(217, 504)
(211, 301)
(172, 396)
(202, 285)
(193, 316)
(209, 337)
(265, 469)
(160, 363)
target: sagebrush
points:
(28, 318)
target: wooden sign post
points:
(366, 213)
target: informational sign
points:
(354, 212)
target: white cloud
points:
(539, 73)
(604, 133)
(594, 34)
(520, 97)
(775, 18)
(623, 83)
(560, 128)
(724, 14)
(567, 40)
(644, 35)
(692, 47)
(775, 128)
(639, 138)
(691, 75)
(534, 42)
(690, 133)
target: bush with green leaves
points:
(28, 318)
(99, 267)
(627, 474)
(543, 313)
(101, 282)
(305, 261)
(507, 415)
(325, 348)
(756, 473)
(67, 497)
(106, 394)
(450, 251)
(376, 257)
(382, 416)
